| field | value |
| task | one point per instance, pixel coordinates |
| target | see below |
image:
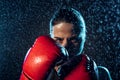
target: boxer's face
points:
(64, 34)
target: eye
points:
(59, 40)
(73, 39)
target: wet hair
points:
(68, 15)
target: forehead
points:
(64, 29)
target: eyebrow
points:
(71, 38)
(74, 37)
(58, 38)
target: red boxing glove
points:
(80, 72)
(40, 59)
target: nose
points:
(65, 43)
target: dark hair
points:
(68, 15)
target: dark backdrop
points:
(22, 21)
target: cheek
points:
(75, 45)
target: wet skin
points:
(64, 34)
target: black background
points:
(22, 21)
